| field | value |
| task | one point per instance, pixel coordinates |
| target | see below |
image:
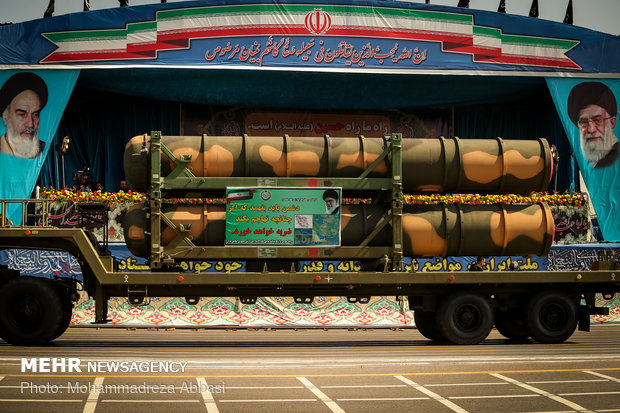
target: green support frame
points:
(182, 248)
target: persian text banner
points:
(336, 35)
(283, 216)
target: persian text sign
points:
(316, 124)
(283, 216)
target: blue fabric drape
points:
(100, 122)
(99, 125)
(529, 118)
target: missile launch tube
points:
(428, 165)
(462, 230)
(428, 230)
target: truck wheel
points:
(426, 324)
(30, 311)
(465, 318)
(512, 324)
(67, 314)
(552, 317)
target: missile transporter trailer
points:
(454, 306)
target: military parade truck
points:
(283, 203)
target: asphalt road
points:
(262, 370)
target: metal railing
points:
(33, 212)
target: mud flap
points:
(584, 318)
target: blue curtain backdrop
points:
(527, 118)
(99, 125)
(100, 119)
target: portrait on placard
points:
(588, 109)
(22, 98)
(592, 108)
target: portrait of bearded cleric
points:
(592, 108)
(22, 97)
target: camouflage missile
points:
(208, 225)
(428, 230)
(462, 230)
(428, 165)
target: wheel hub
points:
(553, 317)
(26, 310)
(467, 317)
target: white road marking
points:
(433, 395)
(551, 396)
(383, 399)
(150, 401)
(41, 400)
(268, 400)
(563, 381)
(555, 411)
(466, 384)
(333, 406)
(91, 402)
(59, 386)
(364, 386)
(207, 396)
(590, 393)
(262, 387)
(377, 361)
(603, 376)
(498, 396)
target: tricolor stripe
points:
(174, 29)
(240, 195)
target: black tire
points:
(465, 318)
(512, 324)
(31, 311)
(67, 314)
(426, 323)
(552, 317)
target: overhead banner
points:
(589, 113)
(341, 35)
(31, 105)
(283, 216)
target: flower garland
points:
(575, 199)
(87, 196)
